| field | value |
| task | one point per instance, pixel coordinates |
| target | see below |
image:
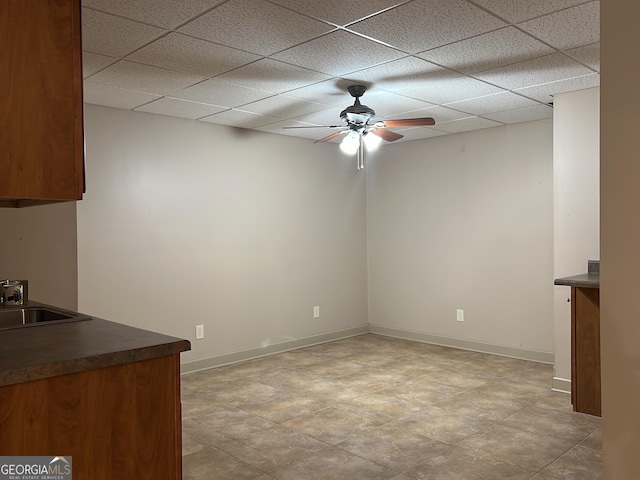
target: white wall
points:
(465, 221)
(189, 223)
(38, 244)
(576, 177)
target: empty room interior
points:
(409, 310)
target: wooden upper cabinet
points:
(41, 125)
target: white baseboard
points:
(504, 351)
(220, 360)
(561, 385)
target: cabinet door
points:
(585, 346)
(121, 422)
(41, 132)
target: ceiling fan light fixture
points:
(361, 132)
(371, 141)
(350, 143)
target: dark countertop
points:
(41, 351)
(586, 280)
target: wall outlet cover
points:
(199, 332)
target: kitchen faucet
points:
(13, 292)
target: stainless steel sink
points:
(16, 317)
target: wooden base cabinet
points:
(119, 422)
(585, 350)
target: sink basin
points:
(15, 317)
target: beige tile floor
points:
(373, 407)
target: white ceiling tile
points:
(163, 13)
(144, 78)
(329, 92)
(570, 28)
(544, 93)
(337, 11)
(115, 97)
(239, 118)
(417, 133)
(92, 63)
(588, 55)
(525, 114)
(255, 26)
(387, 104)
(519, 10)
(191, 55)
(281, 106)
(497, 102)
(223, 94)
(467, 124)
(487, 51)
(438, 113)
(311, 134)
(447, 86)
(424, 24)
(114, 36)
(273, 76)
(328, 117)
(395, 75)
(535, 72)
(338, 54)
(180, 108)
(466, 54)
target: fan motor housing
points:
(357, 113)
(356, 90)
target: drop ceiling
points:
(266, 64)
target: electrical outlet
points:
(460, 315)
(316, 312)
(199, 332)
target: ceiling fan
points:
(360, 128)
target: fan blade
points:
(330, 137)
(387, 135)
(319, 126)
(409, 122)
